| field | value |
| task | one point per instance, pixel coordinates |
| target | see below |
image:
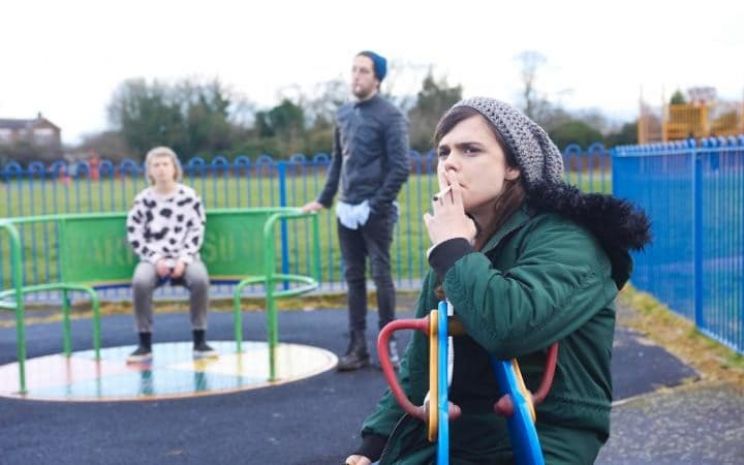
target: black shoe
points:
(141, 355)
(356, 356)
(203, 350)
(144, 349)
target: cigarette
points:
(443, 192)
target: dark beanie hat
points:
(539, 160)
(379, 62)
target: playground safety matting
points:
(311, 421)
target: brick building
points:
(28, 139)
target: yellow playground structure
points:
(702, 116)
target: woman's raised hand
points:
(448, 219)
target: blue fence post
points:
(697, 224)
(740, 233)
(282, 168)
(614, 176)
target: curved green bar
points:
(239, 246)
(17, 280)
(67, 338)
(270, 279)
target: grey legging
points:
(145, 280)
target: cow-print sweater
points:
(169, 227)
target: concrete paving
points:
(697, 424)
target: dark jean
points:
(373, 240)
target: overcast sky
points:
(66, 58)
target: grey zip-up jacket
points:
(370, 155)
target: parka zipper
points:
(392, 434)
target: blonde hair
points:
(159, 152)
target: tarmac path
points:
(664, 413)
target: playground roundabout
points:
(172, 373)
(240, 248)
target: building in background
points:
(30, 139)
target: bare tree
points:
(326, 98)
(403, 82)
(530, 61)
(433, 100)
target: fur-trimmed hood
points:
(618, 225)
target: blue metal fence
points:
(694, 194)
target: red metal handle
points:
(502, 407)
(420, 324)
(547, 377)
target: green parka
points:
(542, 278)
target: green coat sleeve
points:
(559, 280)
(413, 373)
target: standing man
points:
(370, 163)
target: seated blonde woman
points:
(165, 228)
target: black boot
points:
(143, 353)
(357, 355)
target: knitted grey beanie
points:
(538, 158)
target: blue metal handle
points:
(443, 404)
(520, 424)
(522, 431)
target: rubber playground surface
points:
(315, 419)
